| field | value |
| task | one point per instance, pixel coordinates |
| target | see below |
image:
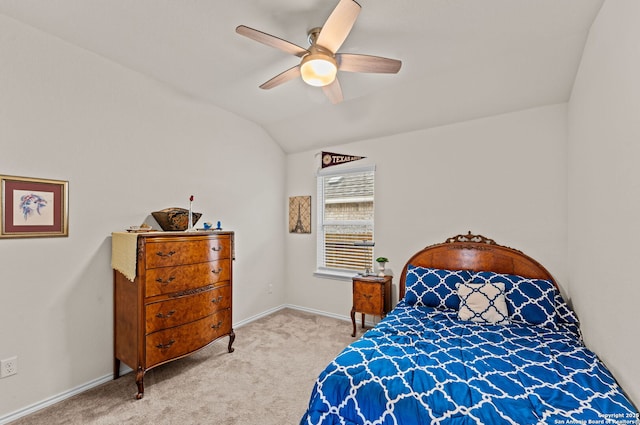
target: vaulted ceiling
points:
(462, 59)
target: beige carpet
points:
(267, 380)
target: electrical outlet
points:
(8, 366)
(271, 288)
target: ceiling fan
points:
(320, 62)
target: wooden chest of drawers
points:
(179, 302)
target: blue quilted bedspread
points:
(423, 366)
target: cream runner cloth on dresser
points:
(124, 247)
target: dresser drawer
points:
(368, 297)
(174, 312)
(181, 340)
(167, 280)
(170, 253)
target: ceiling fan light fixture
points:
(319, 63)
(318, 69)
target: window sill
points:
(334, 274)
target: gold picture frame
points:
(33, 207)
(300, 214)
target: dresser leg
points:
(140, 383)
(232, 337)
(353, 321)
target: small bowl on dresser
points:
(175, 219)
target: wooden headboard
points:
(477, 253)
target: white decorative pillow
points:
(483, 303)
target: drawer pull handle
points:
(218, 326)
(164, 282)
(217, 300)
(216, 248)
(167, 345)
(165, 316)
(162, 254)
(367, 296)
(217, 271)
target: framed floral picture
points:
(31, 207)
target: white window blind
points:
(345, 220)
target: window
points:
(345, 221)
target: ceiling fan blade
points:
(333, 91)
(338, 25)
(281, 78)
(271, 40)
(366, 63)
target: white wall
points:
(604, 191)
(128, 146)
(503, 177)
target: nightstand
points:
(371, 295)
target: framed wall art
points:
(31, 207)
(300, 214)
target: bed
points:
(481, 335)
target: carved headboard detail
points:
(471, 238)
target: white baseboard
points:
(368, 321)
(13, 416)
(293, 307)
(318, 312)
(55, 399)
(248, 320)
